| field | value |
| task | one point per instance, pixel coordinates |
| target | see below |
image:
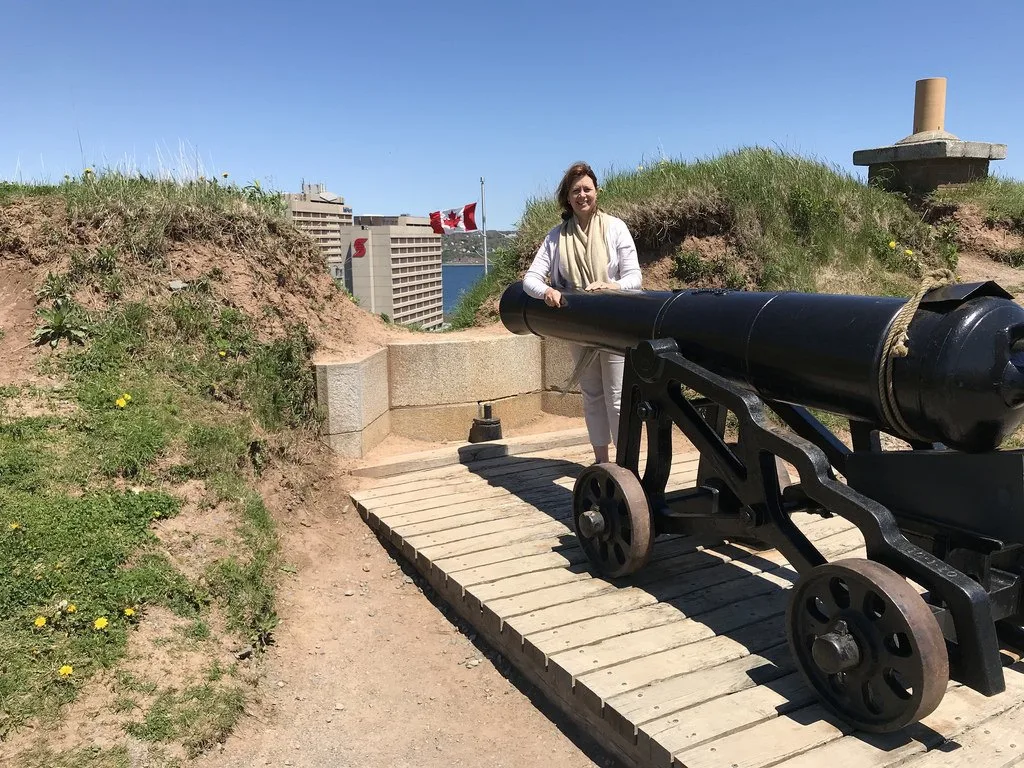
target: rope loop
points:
(897, 344)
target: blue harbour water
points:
(456, 279)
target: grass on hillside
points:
(159, 392)
(141, 215)
(789, 224)
(1000, 200)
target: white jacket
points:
(623, 265)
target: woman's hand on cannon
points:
(553, 297)
(597, 285)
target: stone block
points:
(353, 393)
(930, 150)
(557, 362)
(453, 421)
(570, 404)
(460, 370)
(358, 443)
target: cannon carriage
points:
(943, 372)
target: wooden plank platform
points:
(682, 665)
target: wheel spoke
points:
(894, 696)
(620, 550)
(909, 668)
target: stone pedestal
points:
(921, 167)
(930, 157)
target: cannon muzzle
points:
(961, 383)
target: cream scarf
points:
(583, 259)
(583, 253)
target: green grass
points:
(89, 757)
(1000, 200)
(70, 562)
(197, 717)
(141, 215)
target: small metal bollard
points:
(485, 428)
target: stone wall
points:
(431, 388)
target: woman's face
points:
(583, 197)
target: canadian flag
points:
(454, 220)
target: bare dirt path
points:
(369, 671)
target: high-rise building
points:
(393, 266)
(324, 217)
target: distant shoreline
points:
(466, 261)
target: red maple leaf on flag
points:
(452, 219)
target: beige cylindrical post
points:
(930, 104)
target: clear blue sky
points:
(401, 107)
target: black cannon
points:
(943, 372)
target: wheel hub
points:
(836, 651)
(592, 523)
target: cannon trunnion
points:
(947, 513)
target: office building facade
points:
(393, 266)
(324, 217)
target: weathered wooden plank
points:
(680, 660)
(629, 711)
(995, 743)
(591, 660)
(768, 743)
(721, 716)
(461, 473)
(445, 462)
(627, 629)
(552, 529)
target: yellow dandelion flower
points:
(892, 245)
(66, 670)
(40, 621)
(222, 353)
(908, 252)
(120, 402)
(126, 397)
(129, 612)
(71, 608)
(100, 623)
(15, 525)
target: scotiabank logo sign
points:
(359, 248)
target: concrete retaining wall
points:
(432, 388)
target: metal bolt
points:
(646, 410)
(591, 523)
(836, 651)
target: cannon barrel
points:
(961, 384)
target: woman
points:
(592, 251)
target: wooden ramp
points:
(683, 664)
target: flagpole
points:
(483, 213)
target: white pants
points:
(601, 387)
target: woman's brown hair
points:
(576, 172)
